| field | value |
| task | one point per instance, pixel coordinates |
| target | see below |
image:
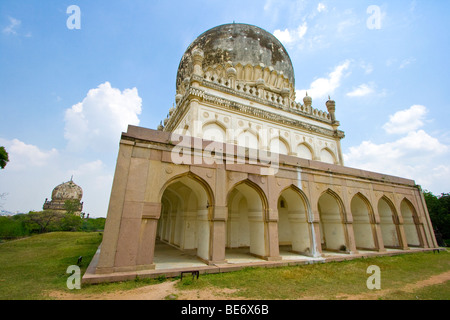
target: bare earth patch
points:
(167, 288)
(151, 292)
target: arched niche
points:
(388, 223)
(363, 227)
(304, 151)
(246, 226)
(278, 145)
(248, 139)
(410, 223)
(214, 132)
(185, 215)
(327, 156)
(333, 236)
(293, 226)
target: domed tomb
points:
(231, 44)
(62, 193)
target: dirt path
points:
(433, 280)
(151, 292)
(167, 288)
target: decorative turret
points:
(160, 126)
(307, 100)
(331, 107)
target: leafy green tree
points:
(70, 222)
(43, 221)
(3, 157)
(71, 206)
(439, 210)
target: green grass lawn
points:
(333, 280)
(31, 267)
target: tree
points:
(42, 220)
(439, 210)
(71, 206)
(3, 157)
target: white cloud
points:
(11, 29)
(97, 121)
(22, 155)
(415, 155)
(406, 120)
(284, 36)
(322, 87)
(287, 36)
(362, 90)
(321, 7)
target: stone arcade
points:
(239, 166)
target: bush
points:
(22, 225)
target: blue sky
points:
(67, 94)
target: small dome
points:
(307, 100)
(67, 191)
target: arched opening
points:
(246, 226)
(184, 221)
(388, 223)
(331, 223)
(293, 227)
(409, 224)
(363, 227)
(303, 151)
(327, 156)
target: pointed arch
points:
(333, 232)
(294, 214)
(282, 147)
(305, 151)
(327, 156)
(248, 138)
(188, 222)
(214, 131)
(246, 223)
(389, 223)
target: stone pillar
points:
(348, 224)
(150, 215)
(401, 231)
(379, 243)
(316, 237)
(272, 244)
(420, 231)
(218, 235)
